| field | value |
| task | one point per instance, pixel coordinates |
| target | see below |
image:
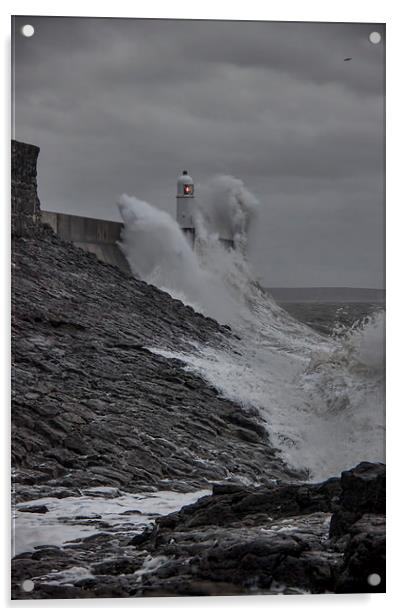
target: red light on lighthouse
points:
(188, 189)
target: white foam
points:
(60, 525)
(66, 577)
(150, 565)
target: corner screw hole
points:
(28, 30)
(374, 579)
(375, 38)
(28, 585)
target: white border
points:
(296, 10)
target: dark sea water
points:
(328, 318)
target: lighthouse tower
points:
(185, 205)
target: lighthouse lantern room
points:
(185, 202)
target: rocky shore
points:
(107, 437)
(281, 538)
(285, 538)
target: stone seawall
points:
(25, 205)
(98, 237)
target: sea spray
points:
(154, 245)
(157, 250)
(322, 397)
(227, 207)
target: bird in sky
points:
(347, 59)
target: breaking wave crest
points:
(322, 397)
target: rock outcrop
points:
(359, 526)
(267, 540)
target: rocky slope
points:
(93, 406)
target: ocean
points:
(328, 318)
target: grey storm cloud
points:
(123, 105)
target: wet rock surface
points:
(358, 525)
(238, 540)
(363, 492)
(276, 539)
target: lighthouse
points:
(186, 210)
(185, 205)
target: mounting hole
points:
(374, 579)
(28, 585)
(375, 38)
(28, 30)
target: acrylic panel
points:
(198, 308)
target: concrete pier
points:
(91, 234)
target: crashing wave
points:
(322, 397)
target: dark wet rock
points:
(130, 512)
(256, 559)
(117, 566)
(363, 488)
(191, 588)
(86, 583)
(364, 556)
(33, 509)
(273, 539)
(362, 491)
(47, 553)
(235, 503)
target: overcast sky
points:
(124, 105)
